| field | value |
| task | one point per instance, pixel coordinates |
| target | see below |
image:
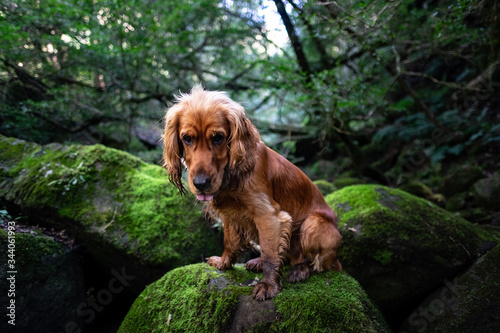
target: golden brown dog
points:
(258, 194)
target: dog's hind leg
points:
(254, 265)
(320, 242)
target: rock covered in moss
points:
(460, 180)
(122, 208)
(197, 298)
(45, 282)
(398, 246)
(423, 191)
(347, 181)
(325, 187)
(487, 192)
(469, 303)
(457, 202)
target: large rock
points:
(347, 181)
(198, 298)
(401, 247)
(44, 282)
(469, 303)
(123, 209)
(325, 187)
(487, 192)
(460, 180)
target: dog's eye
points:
(187, 140)
(217, 139)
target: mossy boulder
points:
(423, 191)
(469, 303)
(487, 192)
(460, 180)
(198, 298)
(418, 189)
(325, 187)
(48, 284)
(122, 208)
(401, 247)
(347, 181)
(457, 202)
(323, 169)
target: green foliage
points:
(376, 72)
(492, 136)
(405, 128)
(112, 61)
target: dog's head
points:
(217, 142)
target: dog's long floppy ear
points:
(173, 149)
(243, 140)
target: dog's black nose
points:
(202, 182)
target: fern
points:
(442, 152)
(493, 135)
(416, 126)
(406, 129)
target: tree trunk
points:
(294, 39)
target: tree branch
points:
(294, 39)
(409, 90)
(326, 61)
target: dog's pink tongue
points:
(204, 197)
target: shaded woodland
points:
(391, 91)
(387, 94)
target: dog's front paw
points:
(254, 265)
(218, 263)
(264, 290)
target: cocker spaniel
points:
(258, 195)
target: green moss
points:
(468, 303)
(197, 298)
(180, 301)
(347, 181)
(383, 256)
(493, 230)
(457, 202)
(56, 175)
(32, 248)
(108, 197)
(394, 213)
(327, 302)
(324, 186)
(152, 202)
(12, 150)
(392, 238)
(417, 188)
(47, 273)
(477, 299)
(34, 254)
(364, 204)
(240, 275)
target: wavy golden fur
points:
(259, 195)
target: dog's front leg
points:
(274, 237)
(232, 248)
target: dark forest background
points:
(401, 93)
